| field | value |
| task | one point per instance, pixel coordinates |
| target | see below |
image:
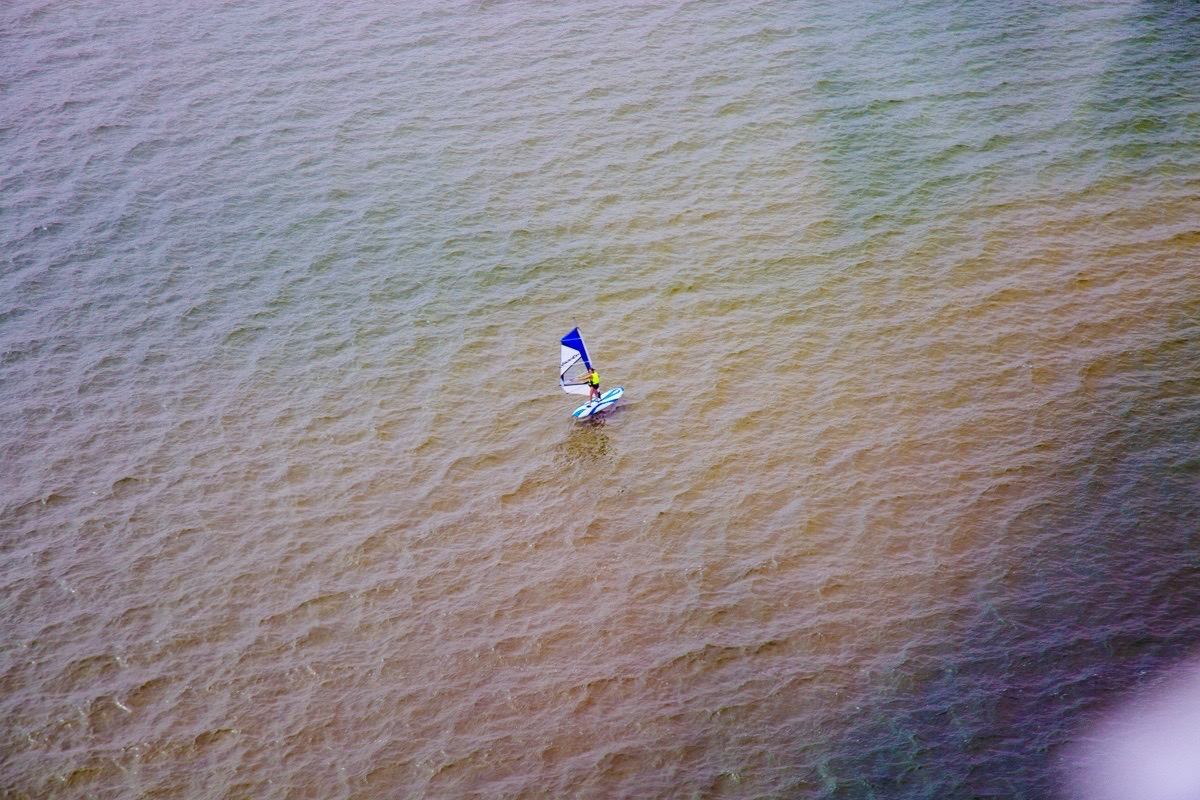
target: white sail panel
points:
(573, 364)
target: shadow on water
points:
(586, 442)
(1099, 594)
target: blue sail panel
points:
(573, 364)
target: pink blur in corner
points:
(1146, 748)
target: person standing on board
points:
(593, 381)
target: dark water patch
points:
(1105, 594)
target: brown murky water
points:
(903, 488)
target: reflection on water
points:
(586, 442)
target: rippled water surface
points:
(904, 487)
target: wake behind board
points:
(606, 401)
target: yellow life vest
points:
(594, 378)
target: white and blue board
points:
(606, 401)
(573, 367)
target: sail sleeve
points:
(573, 364)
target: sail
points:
(573, 364)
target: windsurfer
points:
(593, 382)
